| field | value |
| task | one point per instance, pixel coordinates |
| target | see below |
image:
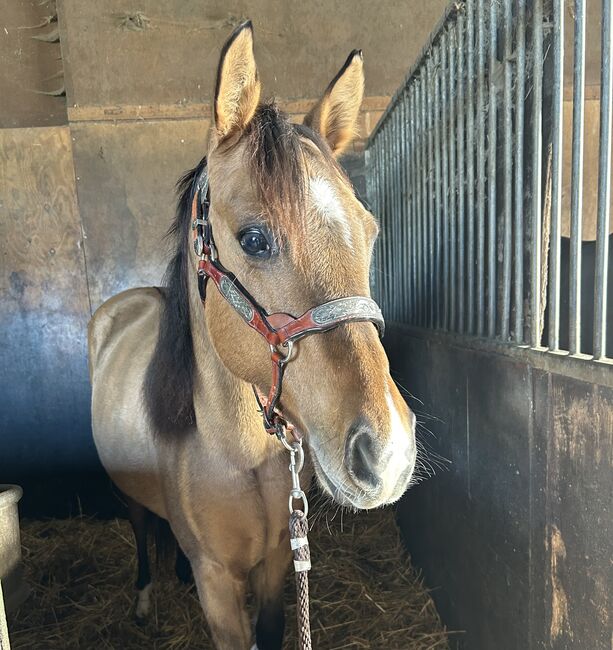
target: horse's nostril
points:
(361, 458)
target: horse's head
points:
(287, 223)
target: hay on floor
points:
(365, 594)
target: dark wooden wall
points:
(514, 531)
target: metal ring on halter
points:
(298, 495)
(289, 347)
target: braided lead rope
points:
(298, 530)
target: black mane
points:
(277, 172)
(169, 381)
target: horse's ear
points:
(336, 113)
(237, 91)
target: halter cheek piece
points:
(280, 330)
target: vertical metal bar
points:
(415, 199)
(453, 137)
(396, 215)
(491, 171)
(379, 163)
(556, 175)
(438, 215)
(402, 214)
(470, 152)
(406, 199)
(446, 137)
(389, 216)
(576, 197)
(604, 187)
(373, 197)
(410, 233)
(431, 190)
(481, 113)
(520, 93)
(384, 218)
(508, 167)
(536, 172)
(424, 195)
(460, 161)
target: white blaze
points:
(329, 206)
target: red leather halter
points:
(280, 330)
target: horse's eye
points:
(254, 242)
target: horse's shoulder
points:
(119, 313)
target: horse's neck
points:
(224, 405)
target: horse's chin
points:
(344, 495)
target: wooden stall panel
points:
(579, 535)
(44, 308)
(30, 66)
(126, 175)
(469, 525)
(515, 536)
(119, 54)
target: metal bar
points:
(454, 9)
(401, 251)
(481, 112)
(470, 153)
(384, 219)
(520, 93)
(446, 137)
(491, 172)
(424, 196)
(604, 187)
(438, 216)
(460, 161)
(453, 174)
(556, 175)
(406, 199)
(396, 213)
(431, 191)
(576, 196)
(508, 165)
(413, 197)
(536, 172)
(388, 217)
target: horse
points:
(175, 420)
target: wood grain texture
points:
(44, 308)
(300, 46)
(28, 67)
(126, 174)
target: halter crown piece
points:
(280, 330)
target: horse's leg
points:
(267, 580)
(223, 599)
(139, 518)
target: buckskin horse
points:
(176, 422)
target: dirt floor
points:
(365, 594)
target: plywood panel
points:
(173, 57)
(590, 169)
(514, 536)
(126, 174)
(29, 67)
(44, 308)
(579, 536)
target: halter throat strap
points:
(280, 330)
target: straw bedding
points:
(365, 594)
